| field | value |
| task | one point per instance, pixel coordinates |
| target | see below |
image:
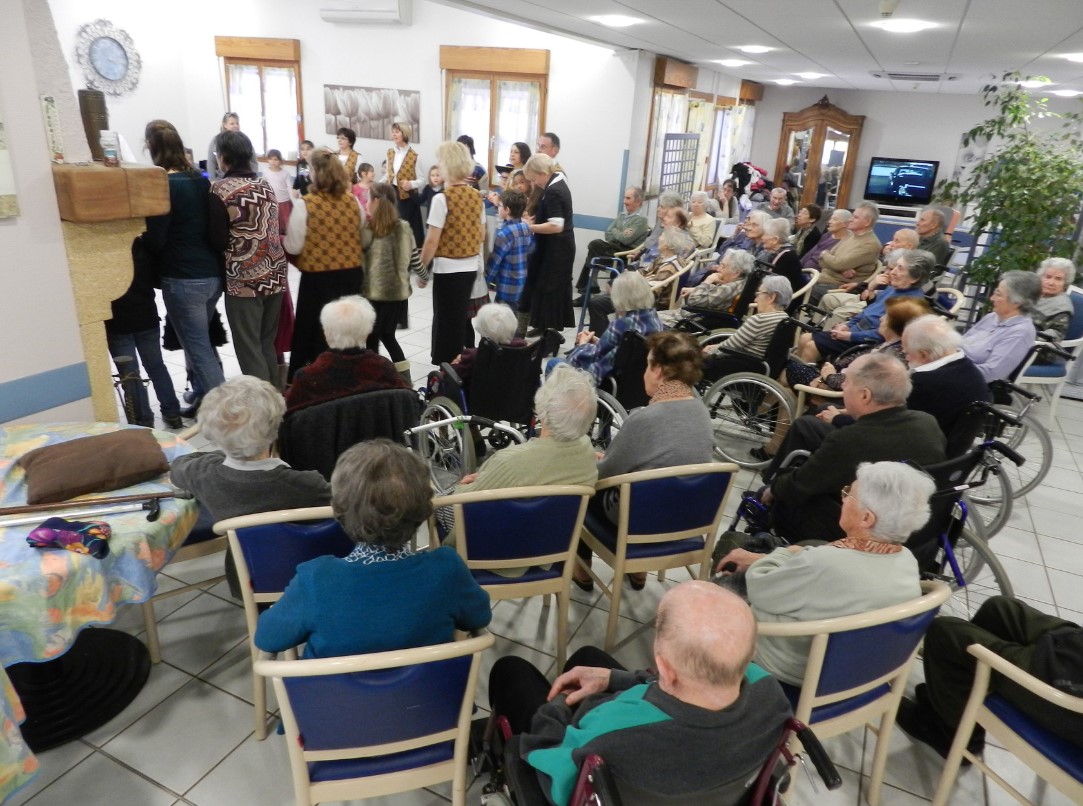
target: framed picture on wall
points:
(9, 205)
(370, 111)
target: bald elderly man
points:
(709, 716)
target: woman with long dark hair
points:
(190, 269)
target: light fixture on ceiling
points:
(1066, 93)
(785, 82)
(616, 20)
(732, 62)
(903, 26)
(1073, 57)
(810, 76)
(1035, 83)
(754, 49)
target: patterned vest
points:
(333, 237)
(462, 233)
(407, 171)
(350, 166)
(255, 262)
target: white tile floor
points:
(188, 738)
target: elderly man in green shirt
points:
(627, 231)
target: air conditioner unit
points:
(366, 11)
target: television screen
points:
(903, 182)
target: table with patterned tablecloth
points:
(48, 595)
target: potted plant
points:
(1023, 195)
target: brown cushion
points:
(92, 465)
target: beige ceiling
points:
(976, 39)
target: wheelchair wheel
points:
(607, 424)
(982, 570)
(449, 449)
(1032, 441)
(992, 502)
(747, 411)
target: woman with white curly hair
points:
(867, 569)
(348, 367)
(242, 417)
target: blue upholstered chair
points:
(1053, 758)
(668, 518)
(1056, 373)
(536, 528)
(363, 726)
(267, 549)
(857, 669)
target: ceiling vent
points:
(915, 76)
(366, 11)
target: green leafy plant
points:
(1025, 191)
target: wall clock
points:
(108, 57)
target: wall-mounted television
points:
(902, 182)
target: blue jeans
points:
(146, 346)
(190, 305)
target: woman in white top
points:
(453, 244)
(407, 175)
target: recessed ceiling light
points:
(615, 20)
(1073, 57)
(810, 76)
(903, 26)
(1066, 93)
(753, 49)
(785, 82)
(911, 64)
(1034, 83)
(732, 62)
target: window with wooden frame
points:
(263, 86)
(495, 95)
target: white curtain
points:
(245, 100)
(670, 117)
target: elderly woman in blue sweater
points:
(383, 596)
(912, 270)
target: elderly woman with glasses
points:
(744, 351)
(999, 342)
(867, 569)
(912, 269)
(383, 595)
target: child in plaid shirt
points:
(505, 272)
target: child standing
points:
(304, 178)
(506, 270)
(366, 177)
(390, 256)
(436, 185)
(279, 180)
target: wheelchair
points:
(513, 781)
(494, 410)
(750, 409)
(621, 390)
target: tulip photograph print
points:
(370, 112)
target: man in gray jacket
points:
(708, 717)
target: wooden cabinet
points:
(817, 152)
